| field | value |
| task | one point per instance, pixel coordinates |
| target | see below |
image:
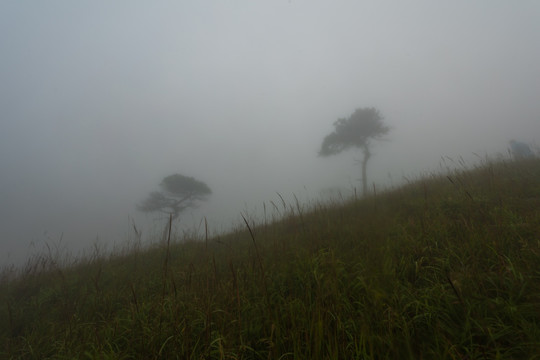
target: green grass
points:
(445, 267)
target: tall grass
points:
(445, 267)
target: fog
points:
(99, 100)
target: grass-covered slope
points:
(447, 267)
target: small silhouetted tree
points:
(178, 192)
(356, 131)
(520, 150)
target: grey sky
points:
(99, 100)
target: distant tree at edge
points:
(520, 150)
(357, 131)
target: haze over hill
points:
(99, 101)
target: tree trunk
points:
(164, 235)
(367, 155)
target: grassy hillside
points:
(447, 267)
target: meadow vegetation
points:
(444, 267)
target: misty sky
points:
(99, 100)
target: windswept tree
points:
(357, 131)
(178, 192)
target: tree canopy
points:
(355, 131)
(178, 192)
